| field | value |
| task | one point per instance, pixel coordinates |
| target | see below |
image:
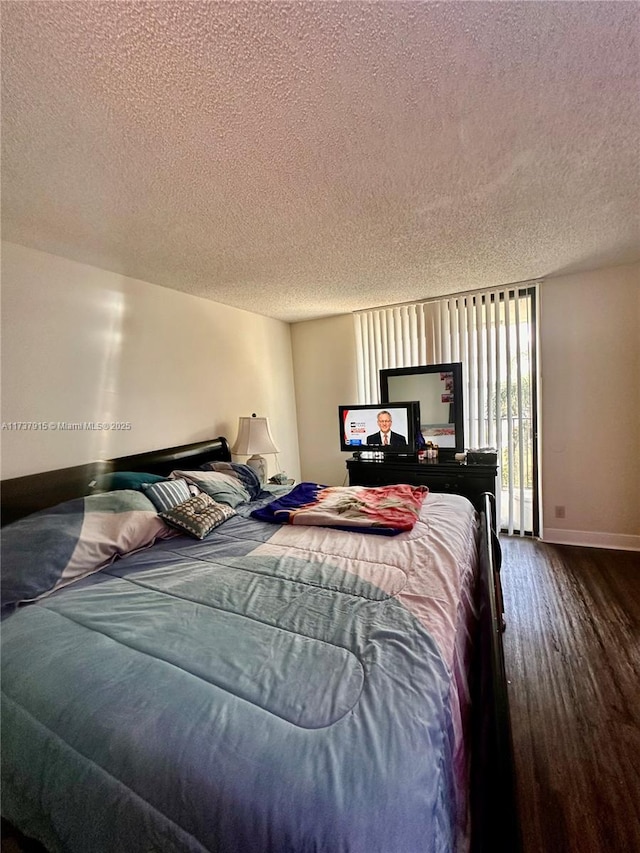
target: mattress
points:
(269, 688)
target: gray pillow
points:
(166, 495)
(60, 545)
(239, 471)
(221, 487)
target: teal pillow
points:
(116, 480)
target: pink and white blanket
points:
(386, 510)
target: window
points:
(493, 334)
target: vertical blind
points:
(493, 335)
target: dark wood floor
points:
(572, 650)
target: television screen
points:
(391, 429)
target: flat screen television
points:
(438, 389)
(362, 427)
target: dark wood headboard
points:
(21, 496)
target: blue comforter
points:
(230, 695)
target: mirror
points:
(438, 388)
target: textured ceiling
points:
(304, 159)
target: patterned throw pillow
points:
(166, 495)
(198, 516)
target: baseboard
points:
(589, 539)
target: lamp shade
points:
(254, 437)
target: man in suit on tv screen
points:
(385, 436)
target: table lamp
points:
(254, 438)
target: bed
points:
(269, 688)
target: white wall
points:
(590, 403)
(590, 396)
(324, 358)
(83, 344)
